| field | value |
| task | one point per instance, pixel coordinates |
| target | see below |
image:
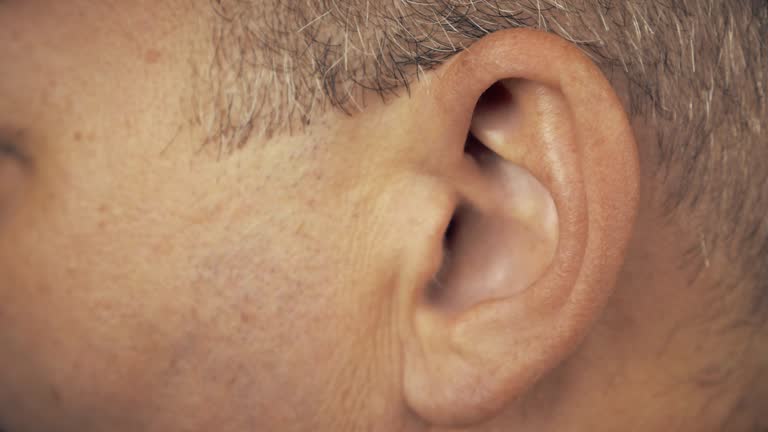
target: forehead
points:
(84, 81)
(51, 33)
(129, 18)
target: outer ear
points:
(548, 188)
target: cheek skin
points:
(148, 286)
(194, 305)
(151, 285)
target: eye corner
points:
(11, 146)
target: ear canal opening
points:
(474, 148)
(436, 289)
(450, 231)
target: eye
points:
(9, 150)
(13, 141)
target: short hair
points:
(696, 68)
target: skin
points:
(153, 283)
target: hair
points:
(696, 68)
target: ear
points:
(547, 188)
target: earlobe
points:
(530, 271)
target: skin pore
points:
(154, 279)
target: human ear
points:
(547, 187)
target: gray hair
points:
(696, 68)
